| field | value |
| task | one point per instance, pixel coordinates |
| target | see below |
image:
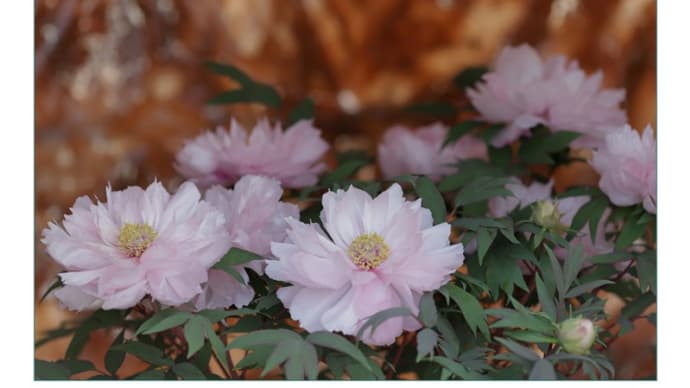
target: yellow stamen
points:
(368, 251)
(135, 238)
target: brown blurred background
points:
(119, 85)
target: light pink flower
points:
(568, 207)
(222, 157)
(522, 91)
(138, 242)
(379, 253)
(522, 197)
(627, 165)
(254, 218)
(405, 151)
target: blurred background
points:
(120, 85)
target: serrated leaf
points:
(573, 263)
(426, 342)
(457, 368)
(557, 272)
(263, 337)
(164, 320)
(542, 370)
(646, 270)
(427, 310)
(303, 111)
(612, 257)
(333, 341)
(471, 309)
(282, 351)
(537, 148)
(631, 231)
(194, 334)
(219, 314)
(256, 357)
(188, 371)
(485, 237)
(144, 352)
(449, 343)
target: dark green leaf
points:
(343, 171)
(427, 310)
(646, 270)
(587, 287)
(431, 199)
(230, 270)
(459, 130)
(470, 307)
(151, 374)
(229, 71)
(238, 256)
(288, 347)
(434, 109)
(469, 76)
(426, 342)
(457, 368)
(254, 93)
(144, 352)
(542, 370)
(481, 189)
(485, 237)
(377, 319)
(77, 366)
(333, 341)
(537, 148)
(303, 111)
(114, 358)
(612, 257)
(531, 337)
(519, 350)
(188, 371)
(631, 231)
(194, 334)
(263, 337)
(636, 307)
(573, 264)
(491, 131)
(55, 285)
(164, 320)
(44, 370)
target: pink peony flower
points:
(254, 218)
(522, 197)
(523, 91)
(627, 165)
(406, 151)
(138, 242)
(222, 157)
(379, 253)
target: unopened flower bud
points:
(546, 214)
(577, 335)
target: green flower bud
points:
(546, 214)
(577, 335)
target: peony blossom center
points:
(368, 251)
(135, 238)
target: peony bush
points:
(461, 262)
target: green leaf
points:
(503, 271)
(254, 93)
(491, 131)
(481, 189)
(217, 345)
(77, 366)
(587, 287)
(590, 213)
(150, 374)
(431, 199)
(97, 320)
(263, 337)
(471, 308)
(542, 370)
(636, 307)
(573, 264)
(256, 357)
(485, 237)
(114, 358)
(229, 71)
(289, 347)
(145, 352)
(377, 319)
(238, 256)
(531, 336)
(557, 272)
(456, 368)
(303, 111)
(449, 343)
(426, 342)
(194, 334)
(518, 350)
(612, 257)
(545, 298)
(459, 130)
(44, 370)
(536, 149)
(631, 231)
(427, 310)
(345, 170)
(522, 318)
(164, 320)
(475, 223)
(434, 109)
(646, 270)
(333, 341)
(188, 371)
(230, 270)
(469, 76)
(311, 361)
(469, 170)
